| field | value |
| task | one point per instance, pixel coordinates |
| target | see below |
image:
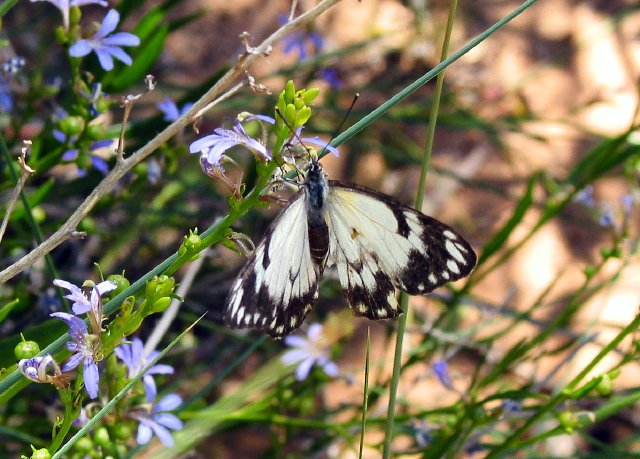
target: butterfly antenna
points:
(344, 120)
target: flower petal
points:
(73, 362)
(109, 24)
(80, 48)
(169, 420)
(77, 327)
(122, 39)
(106, 61)
(144, 433)
(168, 403)
(303, 369)
(91, 377)
(118, 53)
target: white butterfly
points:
(377, 244)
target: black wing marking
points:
(278, 285)
(377, 244)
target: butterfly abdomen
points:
(317, 190)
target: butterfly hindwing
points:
(278, 285)
(379, 244)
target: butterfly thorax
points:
(317, 189)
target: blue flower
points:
(72, 154)
(43, 370)
(79, 301)
(106, 46)
(330, 75)
(158, 421)
(65, 5)
(441, 370)
(84, 347)
(13, 65)
(309, 350)
(585, 196)
(134, 359)
(299, 41)
(170, 109)
(315, 140)
(607, 219)
(213, 146)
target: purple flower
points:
(13, 65)
(299, 41)
(330, 75)
(297, 140)
(65, 5)
(84, 347)
(42, 370)
(607, 219)
(170, 109)
(158, 421)
(134, 359)
(441, 370)
(80, 302)
(97, 162)
(627, 201)
(511, 406)
(6, 98)
(310, 350)
(213, 146)
(585, 196)
(106, 46)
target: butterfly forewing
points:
(277, 286)
(377, 244)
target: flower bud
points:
(26, 350)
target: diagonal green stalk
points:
(404, 301)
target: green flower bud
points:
(74, 15)
(605, 385)
(122, 283)
(42, 453)
(290, 115)
(101, 437)
(122, 431)
(26, 350)
(95, 131)
(302, 116)
(84, 445)
(289, 91)
(72, 125)
(161, 304)
(39, 215)
(310, 95)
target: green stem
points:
(404, 300)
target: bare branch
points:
(26, 172)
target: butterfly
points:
(376, 243)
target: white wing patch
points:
(380, 245)
(278, 284)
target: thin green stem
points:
(404, 299)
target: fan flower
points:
(309, 350)
(441, 370)
(170, 109)
(213, 146)
(296, 140)
(84, 347)
(80, 302)
(106, 45)
(65, 5)
(133, 357)
(300, 41)
(43, 370)
(157, 421)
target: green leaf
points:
(6, 309)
